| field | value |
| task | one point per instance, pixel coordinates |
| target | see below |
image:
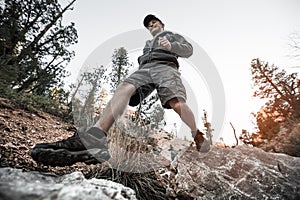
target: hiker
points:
(158, 69)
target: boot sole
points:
(63, 157)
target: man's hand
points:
(163, 41)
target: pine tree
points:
(277, 86)
(85, 99)
(120, 67)
(280, 90)
(34, 45)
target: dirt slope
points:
(20, 130)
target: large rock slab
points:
(239, 173)
(18, 185)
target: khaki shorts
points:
(165, 78)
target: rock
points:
(16, 184)
(166, 145)
(239, 173)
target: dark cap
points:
(150, 17)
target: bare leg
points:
(185, 113)
(116, 106)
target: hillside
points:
(20, 130)
(223, 173)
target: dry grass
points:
(130, 149)
(132, 162)
(147, 186)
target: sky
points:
(231, 33)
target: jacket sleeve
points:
(181, 46)
(146, 47)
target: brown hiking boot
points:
(202, 144)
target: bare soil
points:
(20, 130)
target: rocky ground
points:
(223, 173)
(20, 185)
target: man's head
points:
(153, 24)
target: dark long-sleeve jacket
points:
(153, 52)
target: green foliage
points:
(283, 103)
(277, 86)
(86, 95)
(267, 125)
(34, 45)
(56, 104)
(151, 112)
(120, 66)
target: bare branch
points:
(237, 141)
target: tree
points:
(120, 66)
(34, 44)
(278, 87)
(102, 100)
(85, 97)
(280, 90)
(151, 112)
(157, 116)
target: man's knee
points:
(176, 103)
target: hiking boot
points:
(202, 144)
(72, 143)
(63, 157)
(89, 147)
(93, 138)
